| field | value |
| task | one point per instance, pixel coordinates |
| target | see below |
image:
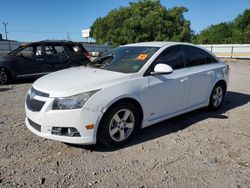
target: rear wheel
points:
(217, 97)
(4, 77)
(118, 125)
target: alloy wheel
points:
(217, 96)
(3, 77)
(122, 125)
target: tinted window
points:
(209, 58)
(172, 56)
(196, 56)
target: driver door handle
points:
(39, 59)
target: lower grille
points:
(33, 104)
(35, 125)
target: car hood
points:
(76, 80)
(4, 58)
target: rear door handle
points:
(183, 80)
(210, 72)
(39, 59)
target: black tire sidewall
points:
(103, 133)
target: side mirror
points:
(162, 69)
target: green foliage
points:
(237, 31)
(145, 20)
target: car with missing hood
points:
(39, 58)
(129, 88)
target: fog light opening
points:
(65, 131)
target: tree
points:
(216, 34)
(145, 20)
(237, 31)
(242, 27)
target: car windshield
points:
(16, 50)
(125, 59)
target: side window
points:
(26, 52)
(38, 50)
(213, 60)
(209, 58)
(49, 50)
(172, 56)
(195, 56)
(59, 49)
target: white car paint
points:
(160, 96)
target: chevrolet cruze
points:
(128, 88)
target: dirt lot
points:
(199, 149)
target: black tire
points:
(105, 127)
(212, 104)
(4, 76)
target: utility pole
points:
(68, 36)
(6, 33)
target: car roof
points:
(156, 44)
(52, 42)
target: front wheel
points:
(118, 125)
(4, 77)
(217, 97)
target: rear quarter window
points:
(76, 48)
(195, 56)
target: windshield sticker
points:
(141, 57)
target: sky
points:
(33, 20)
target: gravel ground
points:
(198, 149)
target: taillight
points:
(86, 54)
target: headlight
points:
(73, 102)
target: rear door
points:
(55, 56)
(200, 74)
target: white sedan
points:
(128, 88)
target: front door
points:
(30, 62)
(167, 94)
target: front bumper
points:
(47, 118)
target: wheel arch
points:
(12, 76)
(130, 100)
(223, 83)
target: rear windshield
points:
(128, 59)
